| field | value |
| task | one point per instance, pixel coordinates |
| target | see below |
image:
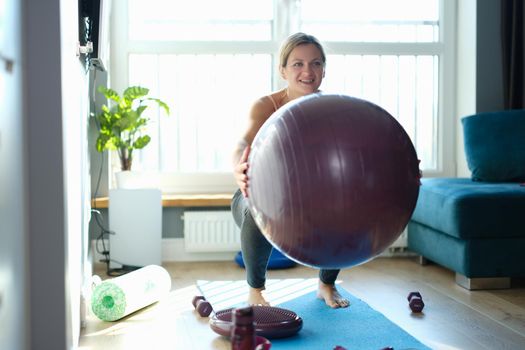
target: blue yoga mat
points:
(356, 327)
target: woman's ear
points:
(282, 72)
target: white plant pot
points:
(130, 179)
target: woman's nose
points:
(308, 68)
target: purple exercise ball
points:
(333, 180)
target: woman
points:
(302, 65)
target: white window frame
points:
(286, 21)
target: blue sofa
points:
(476, 226)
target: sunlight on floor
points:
(226, 294)
(441, 346)
(221, 295)
(169, 323)
(149, 325)
(176, 302)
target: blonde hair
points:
(295, 40)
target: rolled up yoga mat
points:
(120, 296)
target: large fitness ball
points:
(333, 180)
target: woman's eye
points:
(297, 64)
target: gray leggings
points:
(255, 247)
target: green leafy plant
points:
(122, 125)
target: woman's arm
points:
(259, 112)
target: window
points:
(211, 59)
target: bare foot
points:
(255, 297)
(331, 296)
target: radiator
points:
(210, 231)
(215, 231)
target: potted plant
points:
(122, 126)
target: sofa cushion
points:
(464, 208)
(495, 145)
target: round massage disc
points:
(269, 321)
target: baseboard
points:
(397, 252)
(173, 250)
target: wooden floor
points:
(453, 317)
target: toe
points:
(343, 302)
(333, 304)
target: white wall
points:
(43, 159)
(466, 76)
(479, 73)
(13, 227)
(75, 116)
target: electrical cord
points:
(100, 240)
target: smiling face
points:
(304, 70)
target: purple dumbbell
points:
(415, 301)
(202, 306)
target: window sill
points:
(181, 200)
